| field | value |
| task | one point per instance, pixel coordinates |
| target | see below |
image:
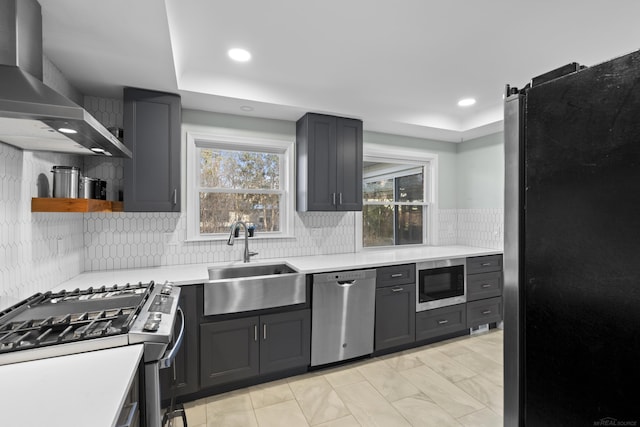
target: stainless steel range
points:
(69, 322)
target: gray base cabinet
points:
(237, 349)
(182, 376)
(484, 290)
(229, 351)
(152, 123)
(395, 306)
(440, 321)
(286, 341)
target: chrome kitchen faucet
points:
(247, 254)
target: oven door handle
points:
(167, 360)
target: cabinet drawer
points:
(484, 311)
(395, 275)
(440, 321)
(484, 285)
(484, 264)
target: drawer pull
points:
(486, 312)
(485, 264)
(486, 285)
(443, 322)
(395, 276)
(397, 289)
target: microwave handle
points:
(167, 360)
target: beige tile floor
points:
(450, 383)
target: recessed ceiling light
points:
(239, 55)
(466, 102)
(246, 108)
(67, 130)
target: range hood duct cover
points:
(31, 112)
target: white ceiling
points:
(401, 66)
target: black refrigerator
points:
(572, 247)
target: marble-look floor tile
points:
(449, 397)
(484, 391)
(486, 348)
(196, 412)
(445, 365)
(420, 410)
(484, 366)
(233, 409)
(403, 361)
(281, 414)
(483, 418)
(344, 376)
(369, 407)
(318, 400)
(387, 381)
(270, 393)
(454, 349)
(348, 421)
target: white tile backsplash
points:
(481, 227)
(132, 240)
(31, 258)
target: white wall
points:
(480, 173)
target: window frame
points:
(197, 140)
(421, 159)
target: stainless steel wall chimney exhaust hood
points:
(32, 115)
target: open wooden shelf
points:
(58, 204)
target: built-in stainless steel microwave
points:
(440, 283)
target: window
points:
(398, 207)
(237, 179)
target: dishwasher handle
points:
(346, 283)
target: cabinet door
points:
(285, 341)
(395, 316)
(229, 351)
(316, 144)
(349, 164)
(185, 366)
(152, 133)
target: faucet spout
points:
(230, 241)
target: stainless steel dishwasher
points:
(343, 315)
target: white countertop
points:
(79, 390)
(197, 273)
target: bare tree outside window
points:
(394, 207)
(239, 186)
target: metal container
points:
(101, 190)
(88, 187)
(65, 181)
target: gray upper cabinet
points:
(152, 133)
(329, 166)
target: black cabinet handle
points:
(443, 322)
(486, 312)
